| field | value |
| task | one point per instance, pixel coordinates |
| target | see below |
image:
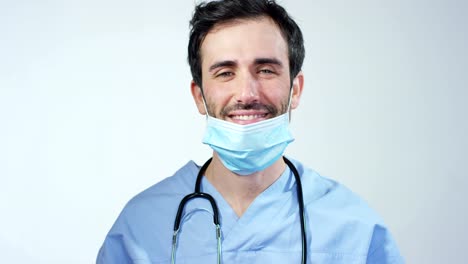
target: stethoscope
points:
(198, 194)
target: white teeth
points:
(247, 117)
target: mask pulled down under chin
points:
(245, 149)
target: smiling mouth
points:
(247, 117)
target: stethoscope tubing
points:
(300, 200)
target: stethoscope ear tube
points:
(190, 197)
(179, 217)
(300, 200)
(197, 194)
(200, 175)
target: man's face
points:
(245, 72)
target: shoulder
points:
(324, 194)
(157, 202)
(343, 222)
(147, 220)
(177, 185)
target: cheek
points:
(277, 96)
(217, 98)
(277, 88)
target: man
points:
(246, 58)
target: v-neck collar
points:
(260, 212)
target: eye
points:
(225, 74)
(266, 71)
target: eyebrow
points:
(226, 63)
(257, 61)
(273, 61)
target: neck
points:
(241, 190)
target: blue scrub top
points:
(341, 228)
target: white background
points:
(95, 107)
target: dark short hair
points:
(208, 15)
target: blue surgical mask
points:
(245, 149)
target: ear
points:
(198, 97)
(298, 84)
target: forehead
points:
(244, 40)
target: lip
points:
(244, 117)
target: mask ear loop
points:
(204, 103)
(289, 103)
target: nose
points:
(247, 89)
